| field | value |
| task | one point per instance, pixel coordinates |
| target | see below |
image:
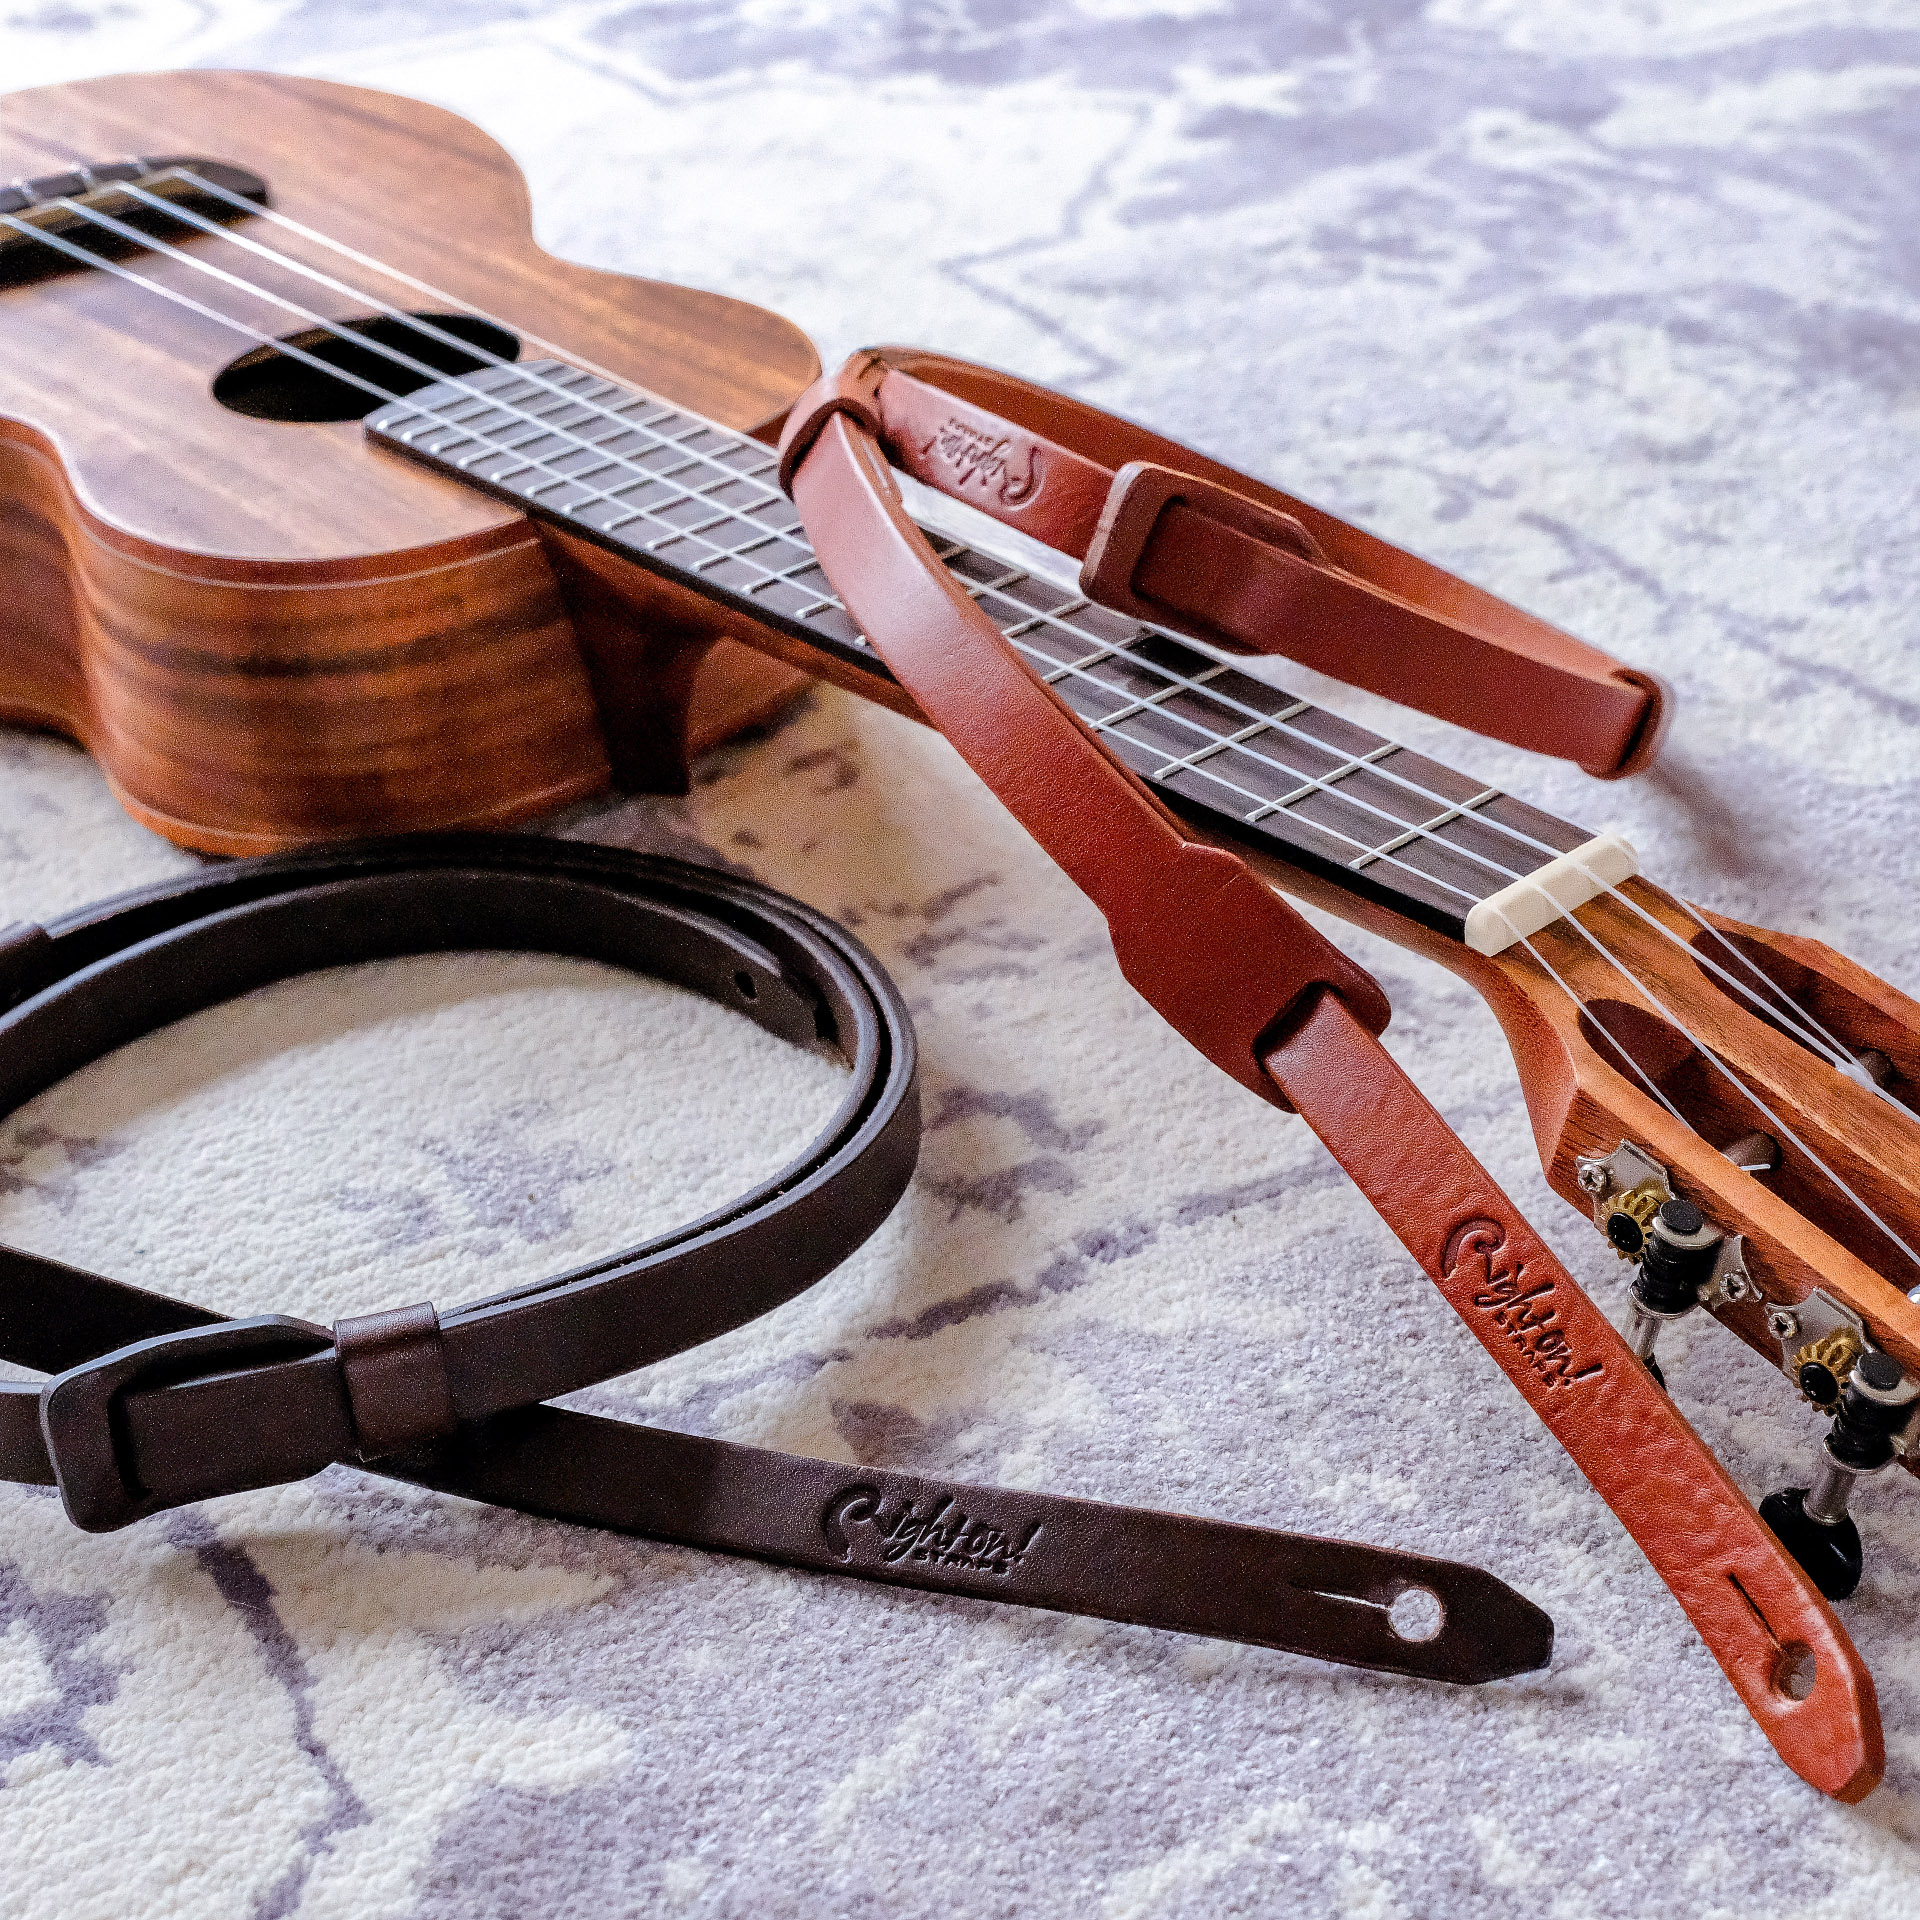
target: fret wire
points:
(639, 475)
(1432, 826)
(1332, 833)
(1309, 784)
(1277, 722)
(1148, 701)
(1208, 748)
(1326, 780)
(1083, 664)
(1279, 725)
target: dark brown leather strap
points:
(1172, 537)
(1235, 976)
(155, 1402)
(394, 1369)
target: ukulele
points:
(358, 548)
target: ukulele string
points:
(173, 296)
(415, 366)
(1667, 1014)
(1811, 1031)
(637, 473)
(544, 426)
(1812, 1034)
(411, 321)
(241, 204)
(1822, 1042)
(347, 335)
(93, 260)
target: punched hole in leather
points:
(156, 1402)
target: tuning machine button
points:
(1679, 1253)
(1870, 1423)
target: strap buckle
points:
(1138, 501)
(86, 1434)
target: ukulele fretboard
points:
(701, 504)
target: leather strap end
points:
(1648, 738)
(395, 1371)
(853, 389)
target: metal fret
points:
(674, 492)
(1426, 828)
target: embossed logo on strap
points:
(1477, 1257)
(857, 1524)
(980, 459)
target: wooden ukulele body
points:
(269, 633)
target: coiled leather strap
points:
(1172, 537)
(155, 1402)
(1264, 996)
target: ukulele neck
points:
(1234, 756)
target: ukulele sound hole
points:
(272, 383)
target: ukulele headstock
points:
(1672, 1054)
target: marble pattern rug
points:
(1612, 305)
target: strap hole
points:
(1417, 1614)
(1797, 1673)
(745, 982)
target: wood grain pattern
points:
(1801, 1234)
(269, 633)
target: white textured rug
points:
(1610, 304)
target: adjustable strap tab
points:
(1170, 536)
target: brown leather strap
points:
(393, 1365)
(155, 1402)
(1231, 975)
(1172, 537)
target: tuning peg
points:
(1676, 1256)
(1812, 1523)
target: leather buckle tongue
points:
(1134, 564)
(106, 1478)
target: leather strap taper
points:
(1177, 539)
(155, 1402)
(1260, 993)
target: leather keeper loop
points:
(1138, 507)
(395, 1371)
(853, 390)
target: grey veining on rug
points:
(1611, 305)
